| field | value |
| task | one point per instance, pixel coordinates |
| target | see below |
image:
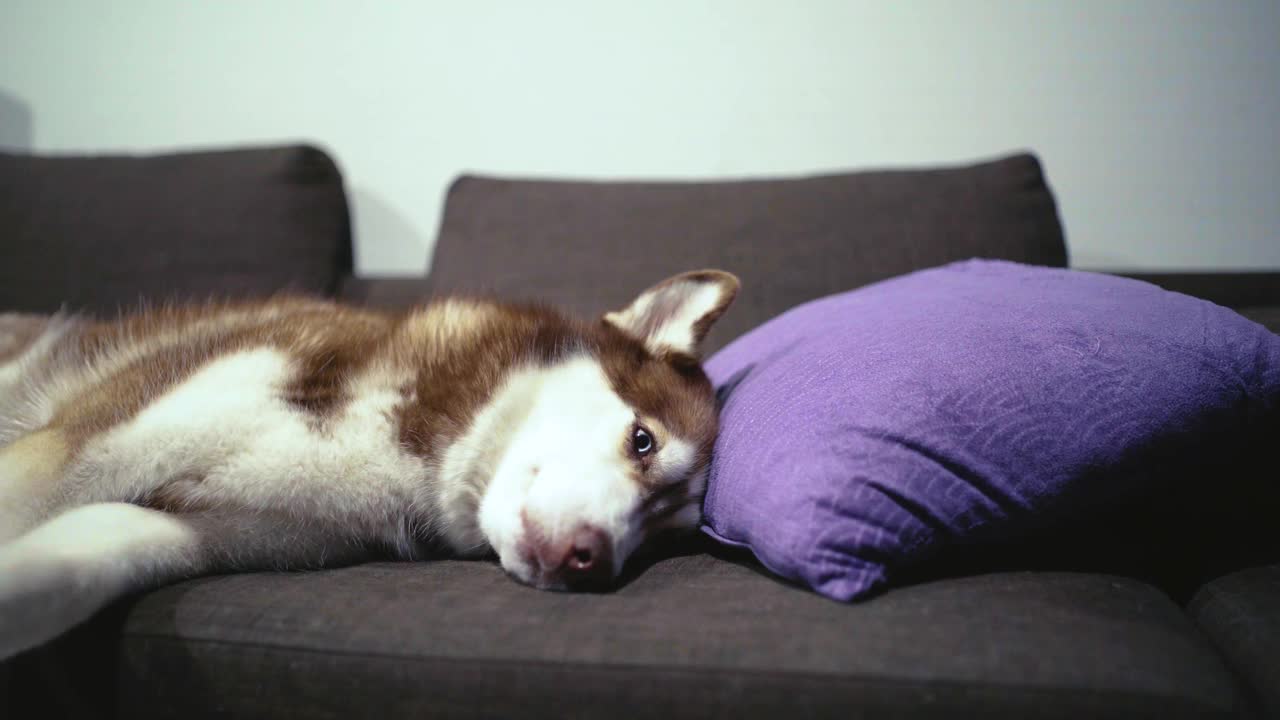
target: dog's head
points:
(609, 446)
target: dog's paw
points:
(38, 600)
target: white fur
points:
(59, 574)
(472, 460)
(677, 455)
(691, 300)
(563, 466)
(225, 437)
(677, 332)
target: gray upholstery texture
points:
(592, 246)
(691, 636)
(1241, 613)
(105, 233)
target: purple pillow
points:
(969, 403)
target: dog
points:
(295, 433)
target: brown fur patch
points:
(456, 372)
(671, 388)
(143, 356)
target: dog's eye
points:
(642, 442)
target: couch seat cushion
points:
(694, 636)
(1241, 613)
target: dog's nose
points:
(588, 564)
(580, 560)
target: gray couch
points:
(1121, 625)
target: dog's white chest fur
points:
(225, 437)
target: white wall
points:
(1158, 122)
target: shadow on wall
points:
(384, 237)
(16, 132)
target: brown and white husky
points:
(296, 433)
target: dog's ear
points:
(675, 314)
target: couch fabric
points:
(238, 223)
(1241, 614)
(592, 246)
(693, 636)
(697, 631)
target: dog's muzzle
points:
(581, 561)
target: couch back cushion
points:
(102, 233)
(591, 246)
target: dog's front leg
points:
(61, 572)
(64, 570)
